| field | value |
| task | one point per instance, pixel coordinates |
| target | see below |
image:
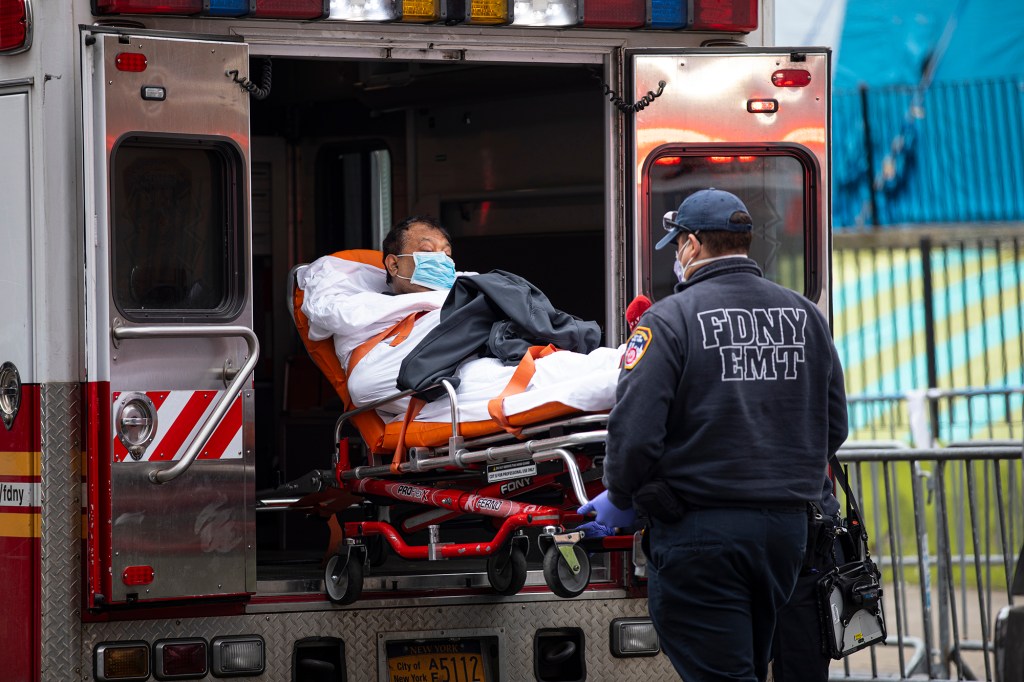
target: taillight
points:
(15, 26)
(614, 13)
(148, 6)
(237, 655)
(739, 16)
(121, 661)
(762, 106)
(133, 62)
(180, 659)
(667, 14)
(791, 78)
(137, 575)
(291, 9)
(546, 13)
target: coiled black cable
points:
(258, 91)
(630, 108)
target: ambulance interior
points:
(511, 159)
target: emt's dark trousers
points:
(716, 579)
(797, 651)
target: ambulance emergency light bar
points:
(733, 16)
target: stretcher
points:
(455, 469)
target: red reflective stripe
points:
(158, 398)
(169, 445)
(226, 431)
(120, 451)
(24, 434)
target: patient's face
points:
(419, 237)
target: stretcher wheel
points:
(507, 572)
(560, 577)
(343, 578)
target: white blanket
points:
(345, 300)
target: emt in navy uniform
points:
(730, 399)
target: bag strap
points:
(400, 331)
(517, 384)
(853, 509)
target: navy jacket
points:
(731, 392)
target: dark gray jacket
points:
(496, 314)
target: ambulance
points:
(164, 164)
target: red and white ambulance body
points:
(165, 163)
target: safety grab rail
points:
(226, 400)
(545, 449)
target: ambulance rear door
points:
(169, 343)
(752, 121)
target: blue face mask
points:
(433, 269)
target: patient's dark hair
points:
(395, 239)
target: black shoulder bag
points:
(850, 596)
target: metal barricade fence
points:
(945, 520)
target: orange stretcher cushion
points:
(382, 438)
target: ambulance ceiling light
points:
(547, 12)
(147, 6)
(228, 8)
(734, 16)
(15, 26)
(667, 14)
(614, 13)
(290, 9)
(488, 12)
(364, 10)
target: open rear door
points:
(170, 348)
(754, 122)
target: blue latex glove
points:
(594, 529)
(607, 514)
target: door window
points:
(177, 230)
(775, 185)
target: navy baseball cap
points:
(705, 210)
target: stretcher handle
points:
(226, 401)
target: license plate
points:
(436, 661)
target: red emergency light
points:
(735, 16)
(147, 6)
(614, 13)
(291, 9)
(15, 26)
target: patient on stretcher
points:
(404, 326)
